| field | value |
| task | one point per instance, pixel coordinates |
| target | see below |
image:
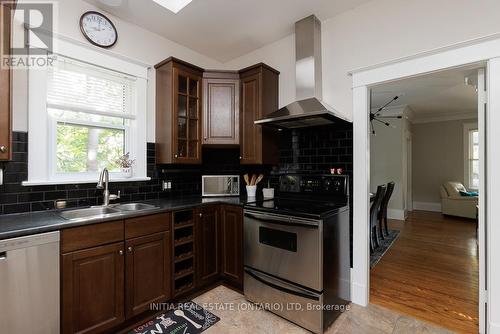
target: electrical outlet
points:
(166, 185)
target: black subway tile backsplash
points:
(16, 198)
(312, 150)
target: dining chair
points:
(382, 214)
(373, 223)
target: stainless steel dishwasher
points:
(29, 284)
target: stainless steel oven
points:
(220, 185)
(296, 250)
(286, 247)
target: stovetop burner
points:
(301, 208)
(306, 195)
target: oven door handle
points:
(283, 220)
(281, 286)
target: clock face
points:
(98, 29)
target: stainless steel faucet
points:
(103, 184)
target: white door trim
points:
(482, 51)
(481, 124)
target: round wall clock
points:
(98, 29)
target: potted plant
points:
(125, 164)
(268, 192)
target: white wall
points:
(388, 160)
(386, 164)
(438, 157)
(133, 42)
(378, 31)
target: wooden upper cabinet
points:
(221, 91)
(178, 112)
(5, 89)
(258, 98)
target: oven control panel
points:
(300, 183)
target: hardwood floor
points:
(431, 272)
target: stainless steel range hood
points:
(309, 109)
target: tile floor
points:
(236, 317)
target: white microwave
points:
(220, 185)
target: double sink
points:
(97, 212)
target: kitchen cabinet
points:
(113, 271)
(178, 112)
(147, 273)
(221, 91)
(259, 97)
(5, 88)
(208, 254)
(232, 245)
(93, 289)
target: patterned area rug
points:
(188, 317)
(383, 248)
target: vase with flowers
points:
(126, 164)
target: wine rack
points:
(184, 250)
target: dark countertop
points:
(23, 224)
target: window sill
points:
(55, 182)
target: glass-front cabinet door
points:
(187, 117)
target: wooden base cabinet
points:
(232, 245)
(258, 98)
(112, 271)
(93, 289)
(208, 246)
(147, 275)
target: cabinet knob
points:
(120, 252)
(130, 249)
(240, 157)
(176, 156)
(3, 148)
(201, 214)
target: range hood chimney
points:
(309, 109)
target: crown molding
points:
(443, 118)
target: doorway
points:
(483, 51)
(425, 262)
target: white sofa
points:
(454, 204)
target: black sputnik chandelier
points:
(376, 116)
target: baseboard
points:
(494, 328)
(396, 214)
(359, 293)
(427, 206)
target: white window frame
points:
(41, 139)
(468, 127)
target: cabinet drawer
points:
(140, 226)
(91, 235)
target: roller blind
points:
(78, 86)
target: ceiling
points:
(224, 29)
(436, 95)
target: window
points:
(83, 117)
(471, 148)
(89, 113)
